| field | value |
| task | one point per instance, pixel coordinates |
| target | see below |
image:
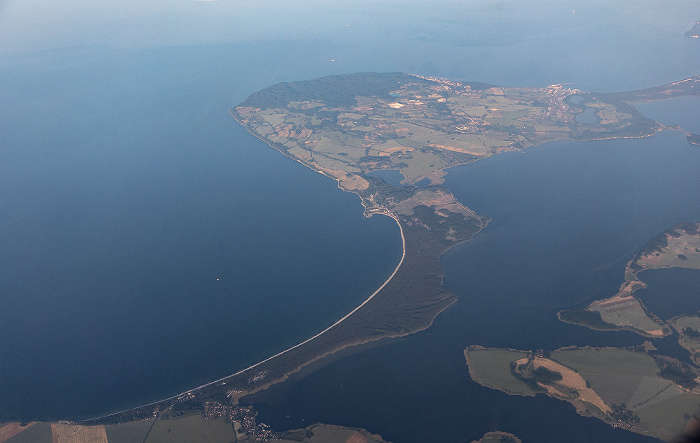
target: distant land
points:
(359, 129)
(694, 32)
(498, 437)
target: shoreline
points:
(281, 353)
(233, 383)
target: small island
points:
(498, 437)
(694, 32)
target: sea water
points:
(149, 244)
(148, 248)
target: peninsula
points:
(678, 247)
(389, 139)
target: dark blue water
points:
(127, 190)
(561, 235)
(671, 292)
(150, 248)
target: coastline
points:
(262, 379)
(221, 380)
(279, 354)
(409, 304)
(649, 325)
(406, 303)
(418, 274)
(238, 119)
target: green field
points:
(321, 433)
(688, 329)
(491, 367)
(678, 247)
(420, 164)
(688, 321)
(613, 373)
(191, 429)
(130, 432)
(415, 123)
(668, 418)
(630, 315)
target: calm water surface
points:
(682, 111)
(152, 248)
(671, 292)
(127, 190)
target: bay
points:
(682, 111)
(671, 292)
(153, 247)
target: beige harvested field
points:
(626, 311)
(63, 433)
(573, 380)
